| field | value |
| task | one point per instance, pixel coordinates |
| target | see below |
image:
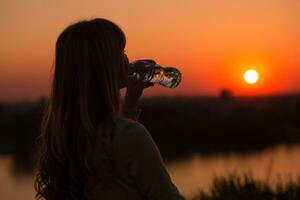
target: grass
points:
(246, 188)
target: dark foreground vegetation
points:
(246, 188)
(179, 125)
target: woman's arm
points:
(134, 90)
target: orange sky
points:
(212, 42)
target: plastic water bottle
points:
(148, 70)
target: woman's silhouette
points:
(91, 145)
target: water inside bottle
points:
(167, 76)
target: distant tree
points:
(226, 94)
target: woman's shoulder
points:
(125, 126)
(130, 131)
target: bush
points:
(246, 188)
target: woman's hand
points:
(134, 91)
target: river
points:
(190, 174)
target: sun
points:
(251, 76)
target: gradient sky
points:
(212, 42)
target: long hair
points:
(75, 150)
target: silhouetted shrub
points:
(246, 188)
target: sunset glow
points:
(208, 41)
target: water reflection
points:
(14, 187)
(189, 175)
(277, 164)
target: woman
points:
(90, 146)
